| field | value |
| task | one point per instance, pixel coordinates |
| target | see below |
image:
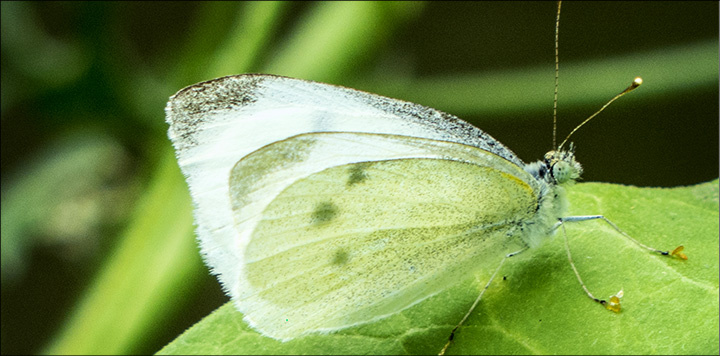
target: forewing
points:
(351, 237)
(242, 140)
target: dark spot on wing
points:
(341, 257)
(324, 212)
(357, 174)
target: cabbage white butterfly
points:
(321, 207)
(328, 219)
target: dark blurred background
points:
(97, 250)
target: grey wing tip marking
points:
(216, 94)
(193, 104)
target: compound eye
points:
(559, 171)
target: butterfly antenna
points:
(636, 83)
(557, 73)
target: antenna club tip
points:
(637, 82)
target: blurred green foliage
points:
(98, 253)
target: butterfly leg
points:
(614, 302)
(677, 252)
(477, 300)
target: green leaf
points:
(537, 306)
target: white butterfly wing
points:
(365, 225)
(239, 114)
(216, 126)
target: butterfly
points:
(321, 207)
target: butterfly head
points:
(562, 166)
(557, 168)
